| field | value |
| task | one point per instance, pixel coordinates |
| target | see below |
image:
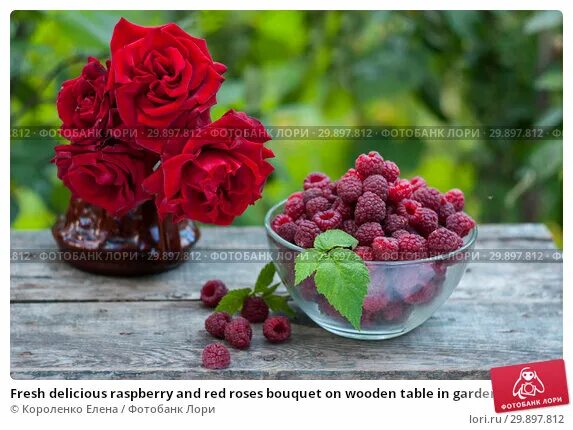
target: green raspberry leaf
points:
(331, 239)
(279, 304)
(265, 278)
(306, 264)
(343, 279)
(270, 291)
(232, 302)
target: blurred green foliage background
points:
(334, 68)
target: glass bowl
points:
(401, 295)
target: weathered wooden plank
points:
(163, 340)
(32, 282)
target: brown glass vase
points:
(135, 244)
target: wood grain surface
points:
(66, 324)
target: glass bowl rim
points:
(467, 245)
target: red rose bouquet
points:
(140, 129)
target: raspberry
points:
(216, 322)
(395, 222)
(407, 207)
(385, 248)
(460, 223)
(239, 333)
(212, 292)
(349, 189)
(351, 173)
(216, 356)
(287, 231)
(316, 180)
(311, 193)
(302, 218)
(327, 220)
(305, 234)
(328, 194)
(349, 226)
(279, 220)
(294, 207)
(390, 171)
(429, 197)
(318, 204)
(417, 182)
(398, 233)
(255, 310)
(424, 294)
(346, 211)
(445, 210)
(376, 184)
(369, 164)
(369, 207)
(295, 195)
(399, 191)
(424, 220)
(442, 241)
(456, 197)
(364, 252)
(277, 329)
(395, 311)
(367, 232)
(375, 303)
(412, 247)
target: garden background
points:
(498, 68)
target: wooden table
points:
(66, 324)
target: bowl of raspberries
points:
(414, 240)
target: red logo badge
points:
(528, 386)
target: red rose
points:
(84, 104)
(218, 173)
(159, 74)
(109, 176)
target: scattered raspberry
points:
(349, 189)
(407, 207)
(216, 356)
(277, 329)
(239, 333)
(456, 197)
(318, 204)
(255, 310)
(279, 220)
(327, 220)
(385, 248)
(429, 197)
(364, 252)
(376, 184)
(349, 226)
(345, 210)
(445, 210)
(311, 193)
(398, 233)
(395, 222)
(316, 180)
(305, 234)
(212, 292)
(424, 220)
(399, 191)
(366, 233)
(287, 231)
(294, 207)
(442, 241)
(369, 164)
(460, 223)
(216, 322)
(390, 171)
(369, 207)
(417, 182)
(412, 247)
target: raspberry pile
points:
(391, 217)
